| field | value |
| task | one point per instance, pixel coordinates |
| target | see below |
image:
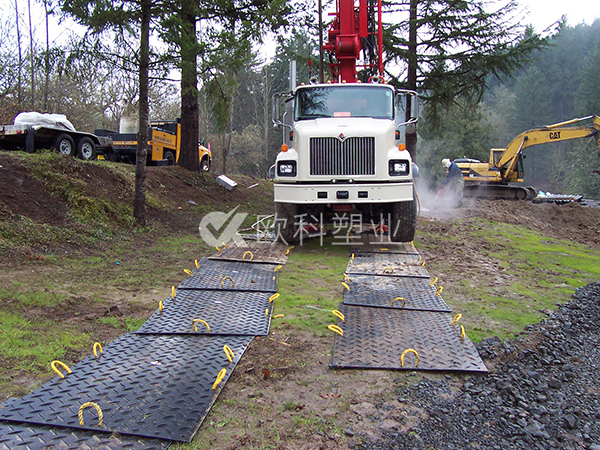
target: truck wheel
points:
(286, 228)
(205, 165)
(169, 157)
(64, 145)
(86, 149)
(404, 221)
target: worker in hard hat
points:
(452, 188)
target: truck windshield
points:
(344, 101)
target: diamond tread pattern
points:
(25, 437)
(260, 253)
(227, 313)
(243, 276)
(373, 244)
(149, 386)
(375, 338)
(370, 290)
(393, 265)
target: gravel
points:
(542, 393)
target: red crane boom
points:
(355, 30)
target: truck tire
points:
(64, 145)
(285, 225)
(404, 221)
(168, 155)
(205, 164)
(86, 149)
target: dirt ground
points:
(282, 394)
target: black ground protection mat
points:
(225, 312)
(15, 436)
(394, 265)
(371, 290)
(232, 276)
(149, 386)
(256, 252)
(376, 338)
(370, 243)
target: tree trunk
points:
(189, 155)
(19, 70)
(139, 201)
(411, 138)
(31, 58)
(47, 59)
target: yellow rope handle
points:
(384, 249)
(173, 292)
(219, 378)
(218, 249)
(267, 312)
(197, 264)
(160, 306)
(96, 407)
(277, 268)
(455, 319)
(189, 272)
(248, 253)
(61, 364)
(352, 259)
(463, 334)
(228, 353)
(278, 316)
(224, 244)
(420, 258)
(200, 321)
(338, 314)
(336, 329)
(97, 347)
(399, 298)
(288, 250)
(409, 350)
(439, 291)
(274, 297)
(412, 244)
(432, 282)
(226, 277)
(347, 278)
(385, 271)
(346, 286)
(423, 264)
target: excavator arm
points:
(507, 163)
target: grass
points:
(310, 286)
(539, 272)
(32, 344)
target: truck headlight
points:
(286, 168)
(399, 167)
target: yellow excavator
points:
(498, 178)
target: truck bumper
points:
(343, 193)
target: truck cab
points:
(342, 153)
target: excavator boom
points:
(505, 166)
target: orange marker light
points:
(284, 148)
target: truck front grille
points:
(352, 156)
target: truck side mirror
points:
(202, 142)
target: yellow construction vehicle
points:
(496, 179)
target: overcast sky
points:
(542, 13)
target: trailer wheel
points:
(169, 157)
(86, 149)
(285, 214)
(404, 221)
(64, 145)
(205, 165)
